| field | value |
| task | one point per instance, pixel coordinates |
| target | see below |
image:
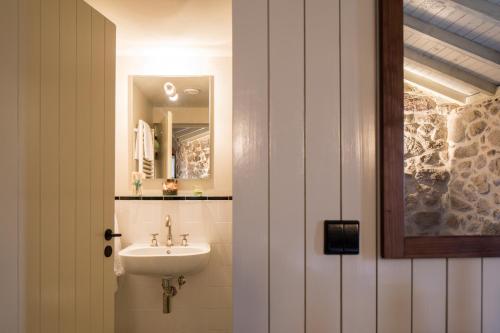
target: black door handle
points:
(109, 235)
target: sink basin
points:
(143, 259)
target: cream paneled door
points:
(66, 122)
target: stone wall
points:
(193, 158)
(452, 166)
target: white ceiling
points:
(190, 27)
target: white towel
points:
(144, 140)
(118, 268)
(149, 150)
(139, 139)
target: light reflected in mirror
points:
(172, 132)
(452, 119)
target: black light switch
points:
(341, 237)
(351, 237)
(334, 237)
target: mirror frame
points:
(391, 135)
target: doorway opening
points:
(173, 164)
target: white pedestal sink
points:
(143, 259)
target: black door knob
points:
(109, 235)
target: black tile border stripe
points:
(167, 198)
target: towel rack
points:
(145, 166)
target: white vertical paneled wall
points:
(286, 152)
(322, 61)
(358, 161)
(251, 166)
(491, 295)
(305, 105)
(429, 282)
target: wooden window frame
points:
(394, 242)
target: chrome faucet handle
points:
(184, 239)
(154, 241)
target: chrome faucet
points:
(168, 224)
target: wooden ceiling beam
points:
(482, 7)
(456, 41)
(442, 90)
(483, 85)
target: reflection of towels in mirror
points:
(149, 153)
(144, 149)
(144, 140)
(138, 142)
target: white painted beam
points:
(428, 84)
(444, 68)
(456, 41)
(482, 7)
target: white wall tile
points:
(217, 319)
(191, 211)
(212, 210)
(216, 276)
(143, 292)
(150, 321)
(216, 298)
(225, 211)
(222, 254)
(221, 232)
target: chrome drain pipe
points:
(169, 291)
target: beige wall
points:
(143, 109)
(220, 69)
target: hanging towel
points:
(139, 139)
(149, 150)
(144, 144)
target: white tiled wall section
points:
(204, 304)
(205, 221)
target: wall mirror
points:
(171, 126)
(440, 128)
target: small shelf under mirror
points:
(175, 197)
